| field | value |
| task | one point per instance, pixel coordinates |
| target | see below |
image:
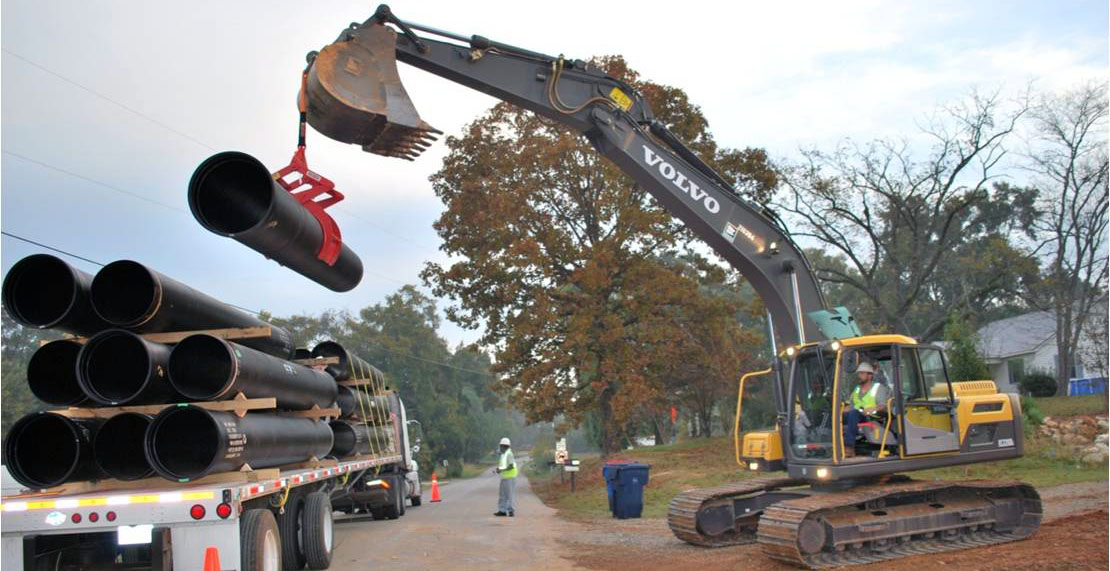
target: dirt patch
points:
(1073, 536)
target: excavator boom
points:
(355, 95)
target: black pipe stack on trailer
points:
(365, 423)
(116, 365)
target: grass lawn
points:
(1072, 406)
(701, 463)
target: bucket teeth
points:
(355, 96)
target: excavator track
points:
(887, 521)
(684, 508)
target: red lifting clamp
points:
(307, 187)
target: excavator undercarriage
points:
(846, 523)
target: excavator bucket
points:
(354, 95)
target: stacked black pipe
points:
(366, 420)
(116, 366)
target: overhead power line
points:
(108, 99)
(91, 180)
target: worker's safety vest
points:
(503, 465)
(867, 400)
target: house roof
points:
(1016, 335)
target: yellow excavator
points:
(842, 500)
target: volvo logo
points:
(678, 179)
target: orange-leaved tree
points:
(559, 256)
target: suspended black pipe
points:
(44, 292)
(234, 195)
(135, 297)
(118, 367)
(118, 446)
(350, 366)
(374, 409)
(44, 450)
(203, 367)
(52, 374)
(301, 353)
(186, 442)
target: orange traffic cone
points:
(435, 490)
(211, 559)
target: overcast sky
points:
(107, 107)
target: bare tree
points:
(902, 224)
(1069, 161)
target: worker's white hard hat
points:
(865, 367)
(505, 442)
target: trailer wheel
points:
(316, 530)
(259, 541)
(292, 530)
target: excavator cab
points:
(920, 419)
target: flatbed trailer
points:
(166, 525)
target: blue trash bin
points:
(609, 472)
(629, 491)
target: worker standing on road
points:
(506, 467)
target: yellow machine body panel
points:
(762, 450)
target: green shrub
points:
(1038, 384)
(1031, 415)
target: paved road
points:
(460, 532)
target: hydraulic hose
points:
(186, 442)
(44, 292)
(204, 367)
(44, 450)
(132, 296)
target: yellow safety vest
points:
(865, 401)
(503, 465)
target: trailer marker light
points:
(94, 517)
(110, 516)
(75, 518)
(197, 512)
(223, 510)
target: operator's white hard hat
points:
(505, 442)
(865, 367)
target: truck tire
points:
(396, 499)
(291, 527)
(259, 541)
(402, 487)
(316, 530)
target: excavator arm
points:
(354, 95)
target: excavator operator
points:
(868, 398)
